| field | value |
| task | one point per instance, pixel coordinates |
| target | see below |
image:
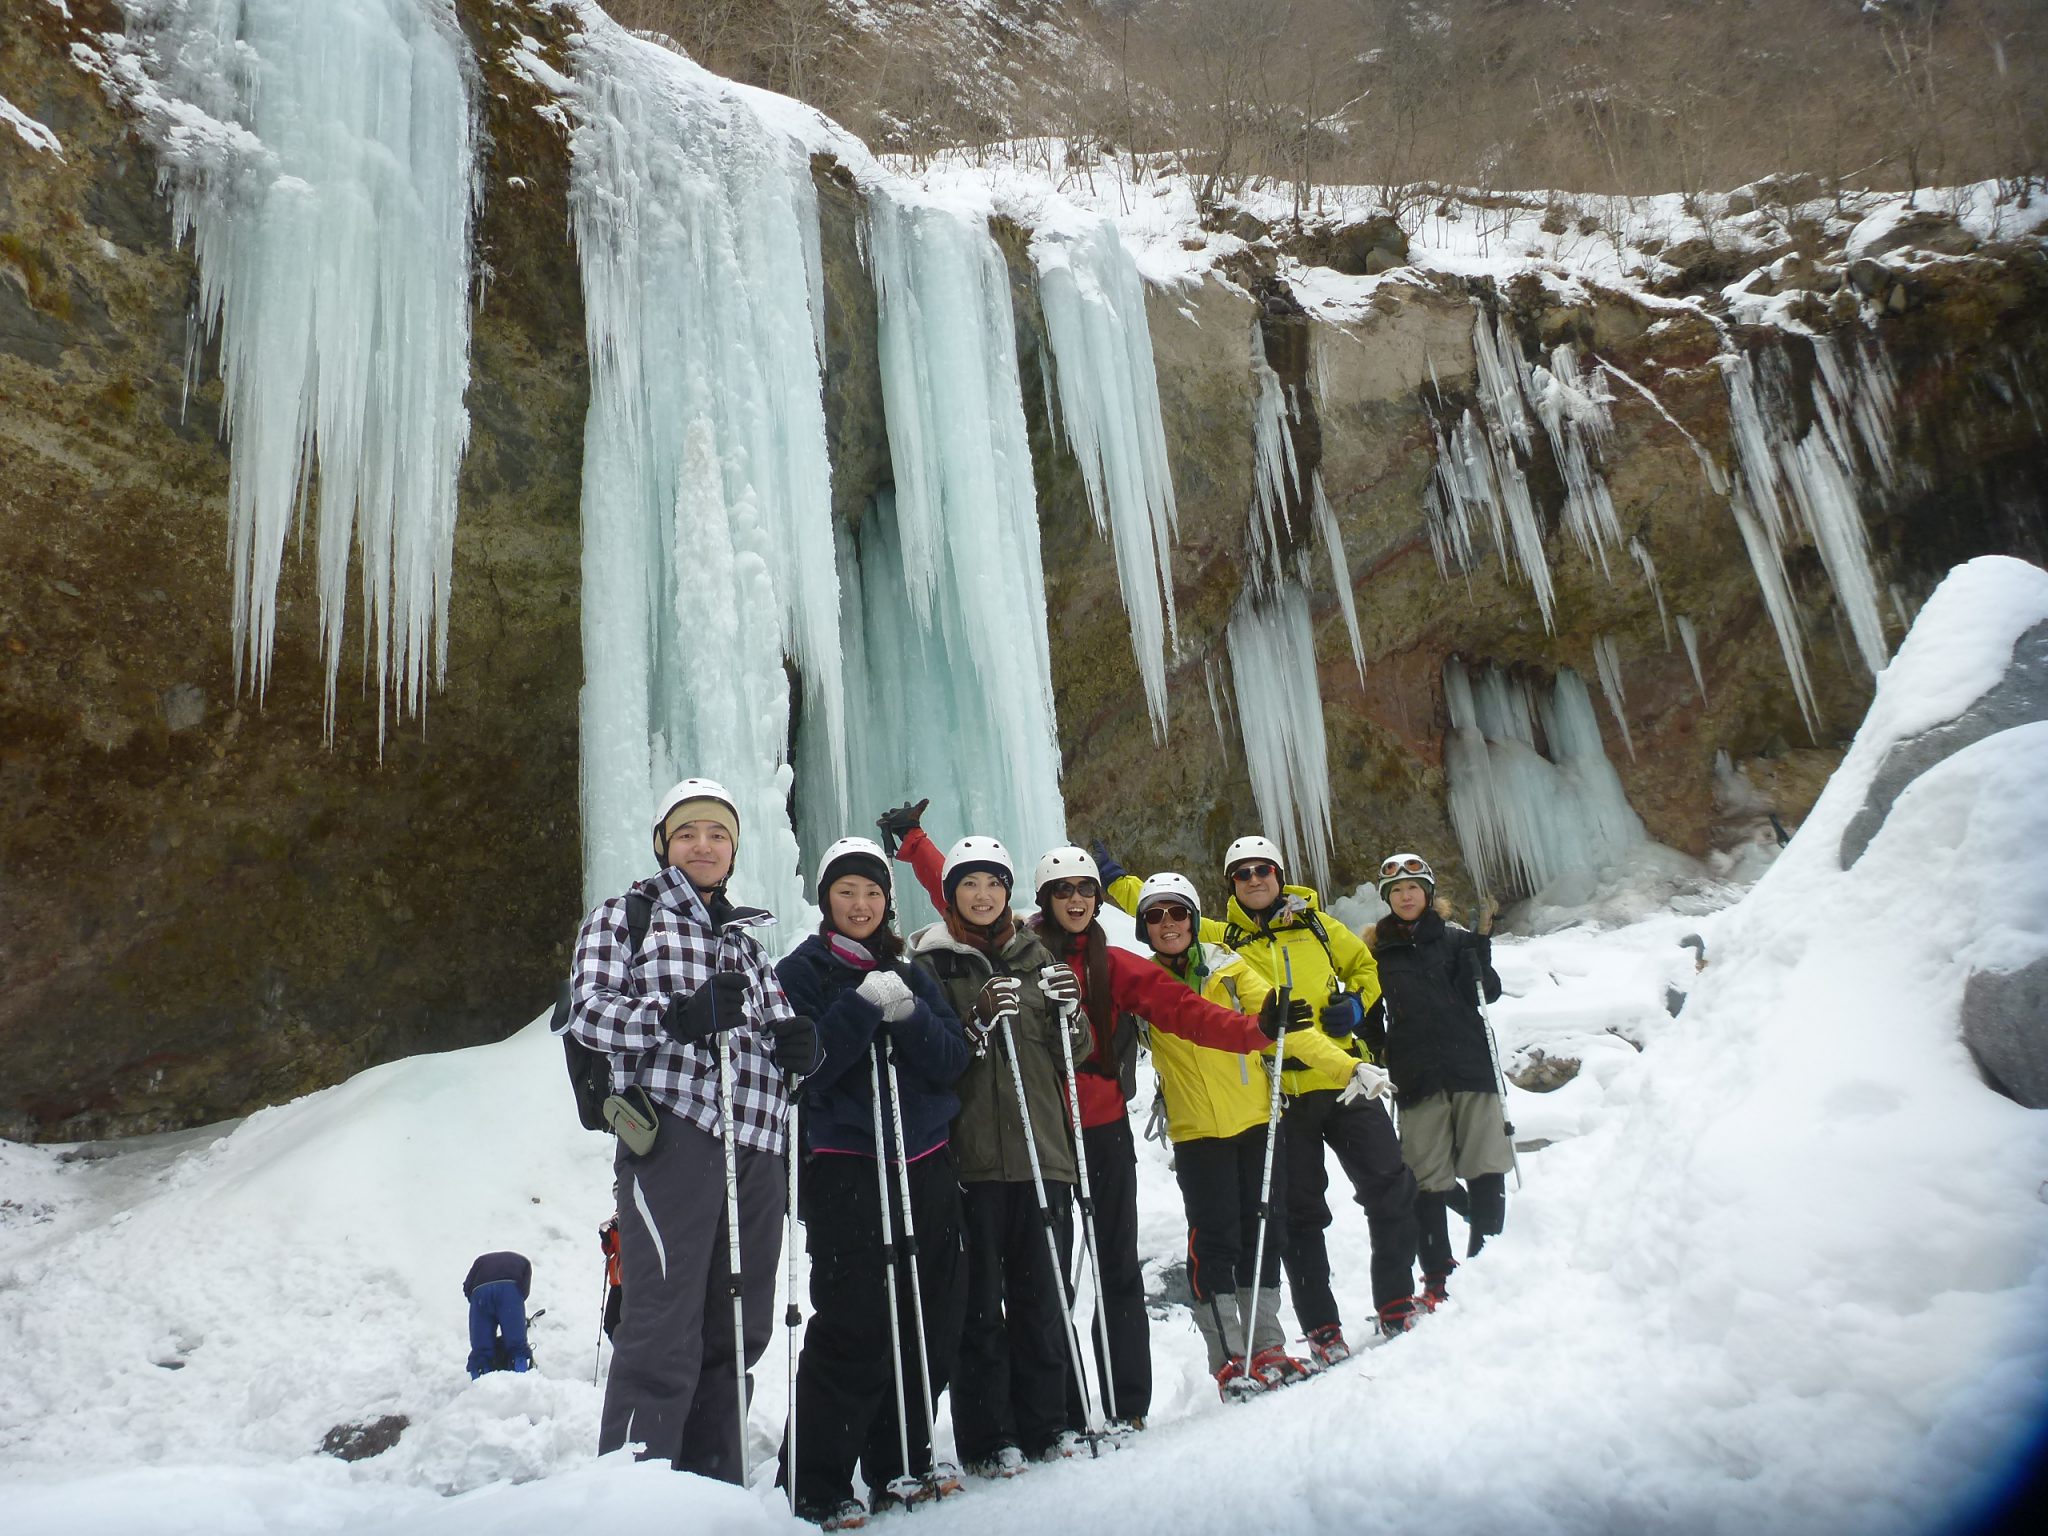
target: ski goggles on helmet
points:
(1408, 866)
(1164, 911)
(1061, 890)
(1253, 869)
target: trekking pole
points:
(935, 1481)
(1052, 1245)
(604, 1297)
(1094, 1255)
(889, 1259)
(1251, 1324)
(1500, 1076)
(791, 1313)
(732, 1250)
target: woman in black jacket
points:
(866, 1000)
(1428, 1029)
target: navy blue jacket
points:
(493, 1267)
(931, 1053)
(1426, 1025)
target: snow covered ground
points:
(1783, 1265)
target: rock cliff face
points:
(206, 906)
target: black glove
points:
(719, 1004)
(797, 1047)
(1299, 1015)
(901, 822)
(1342, 1015)
(1111, 870)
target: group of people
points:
(961, 1090)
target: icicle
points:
(1649, 569)
(1216, 701)
(1690, 639)
(1340, 568)
(1577, 422)
(964, 607)
(1101, 341)
(322, 160)
(1280, 711)
(1275, 478)
(1607, 663)
(1524, 818)
(1809, 484)
(708, 541)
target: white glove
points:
(1062, 988)
(888, 992)
(1367, 1081)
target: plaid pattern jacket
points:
(619, 998)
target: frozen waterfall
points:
(322, 159)
(954, 650)
(708, 549)
(1094, 305)
(1533, 796)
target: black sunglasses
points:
(1171, 912)
(1060, 890)
(1245, 872)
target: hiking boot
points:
(1006, 1461)
(836, 1515)
(1274, 1367)
(1070, 1443)
(1326, 1345)
(1399, 1315)
(1435, 1291)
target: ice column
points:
(708, 551)
(1790, 483)
(322, 160)
(1094, 304)
(1280, 715)
(1533, 797)
(952, 590)
(1689, 637)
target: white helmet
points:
(692, 789)
(1068, 863)
(1396, 867)
(865, 856)
(1252, 848)
(977, 853)
(1168, 886)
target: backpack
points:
(590, 1072)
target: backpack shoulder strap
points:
(639, 913)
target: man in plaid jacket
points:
(699, 986)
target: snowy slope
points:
(1785, 1268)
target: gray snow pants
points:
(671, 1388)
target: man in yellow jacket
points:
(1334, 1091)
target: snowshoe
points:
(901, 1493)
(1007, 1461)
(1326, 1346)
(943, 1481)
(1235, 1384)
(1435, 1291)
(837, 1515)
(1075, 1442)
(1399, 1315)
(1275, 1368)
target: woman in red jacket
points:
(1111, 985)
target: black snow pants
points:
(672, 1387)
(845, 1381)
(1219, 1185)
(1009, 1383)
(1362, 1136)
(1113, 1177)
